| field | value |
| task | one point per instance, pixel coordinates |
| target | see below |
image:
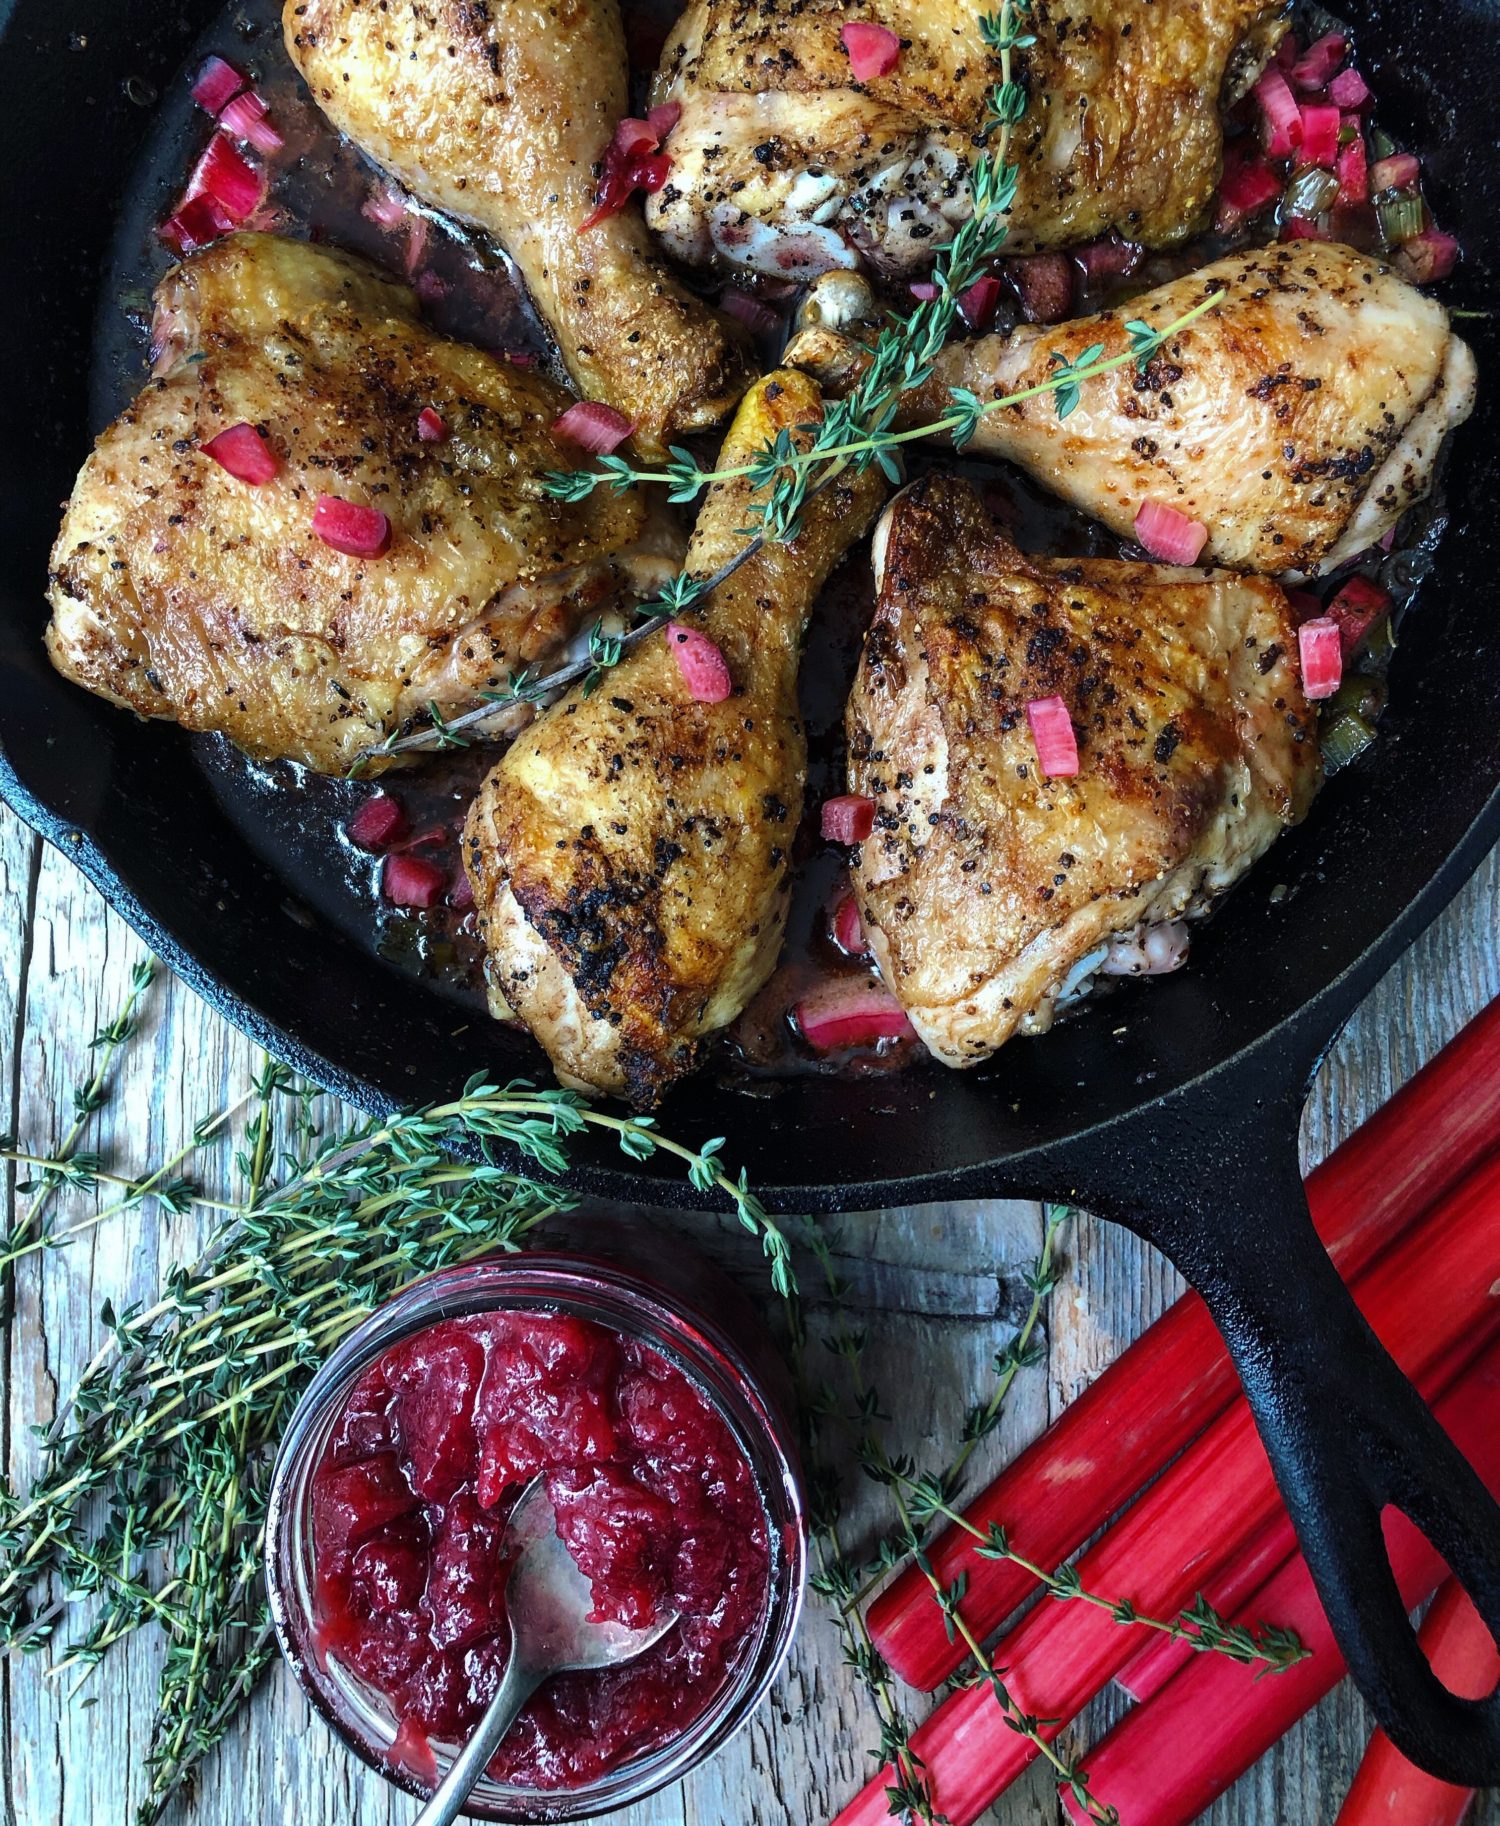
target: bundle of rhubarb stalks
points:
(1409, 1209)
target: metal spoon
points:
(548, 1602)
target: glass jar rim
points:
(593, 1287)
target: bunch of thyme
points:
(150, 1501)
(854, 433)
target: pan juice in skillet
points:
(323, 189)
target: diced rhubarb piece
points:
(704, 669)
(357, 532)
(1249, 186)
(379, 822)
(1397, 172)
(758, 318)
(1303, 228)
(651, 172)
(1427, 257)
(1053, 733)
(1353, 172)
(923, 290)
(1044, 283)
(1355, 610)
(225, 174)
(593, 426)
(413, 881)
(1322, 654)
(661, 120)
(977, 304)
(244, 452)
(199, 222)
(843, 1015)
(874, 50)
(1281, 118)
(246, 118)
(1105, 260)
(1320, 135)
(217, 85)
(461, 897)
(1349, 91)
(432, 428)
(847, 819)
(386, 207)
(1314, 68)
(848, 929)
(1168, 535)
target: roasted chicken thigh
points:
(499, 112)
(630, 856)
(181, 591)
(783, 163)
(987, 890)
(1297, 420)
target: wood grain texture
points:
(937, 1286)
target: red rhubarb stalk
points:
(1149, 1670)
(1390, 1791)
(1167, 1761)
(1168, 1386)
(1158, 1555)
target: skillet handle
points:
(1347, 1434)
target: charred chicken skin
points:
(499, 112)
(630, 855)
(987, 890)
(183, 592)
(782, 162)
(1296, 420)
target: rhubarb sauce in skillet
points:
(321, 188)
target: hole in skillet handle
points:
(1346, 1433)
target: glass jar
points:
(667, 1317)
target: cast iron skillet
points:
(1173, 1108)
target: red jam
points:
(655, 1500)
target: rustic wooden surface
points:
(940, 1288)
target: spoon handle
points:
(517, 1686)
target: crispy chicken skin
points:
(983, 885)
(1297, 420)
(180, 592)
(498, 112)
(784, 164)
(630, 854)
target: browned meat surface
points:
(783, 163)
(498, 111)
(1297, 420)
(180, 592)
(630, 855)
(984, 886)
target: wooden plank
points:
(938, 1289)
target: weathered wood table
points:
(938, 1286)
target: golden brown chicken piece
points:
(630, 854)
(498, 111)
(781, 162)
(989, 892)
(1297, 420)
(179, 591)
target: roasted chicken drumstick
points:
(783, 162)
(990, 892)
(499, 111)
(181, 590)
(1296, 420)
(630, 854)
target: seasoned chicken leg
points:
(987, 891)
(783, 163)
(1297, 420)
(630, 854)
(180, 591)
(498, 111)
